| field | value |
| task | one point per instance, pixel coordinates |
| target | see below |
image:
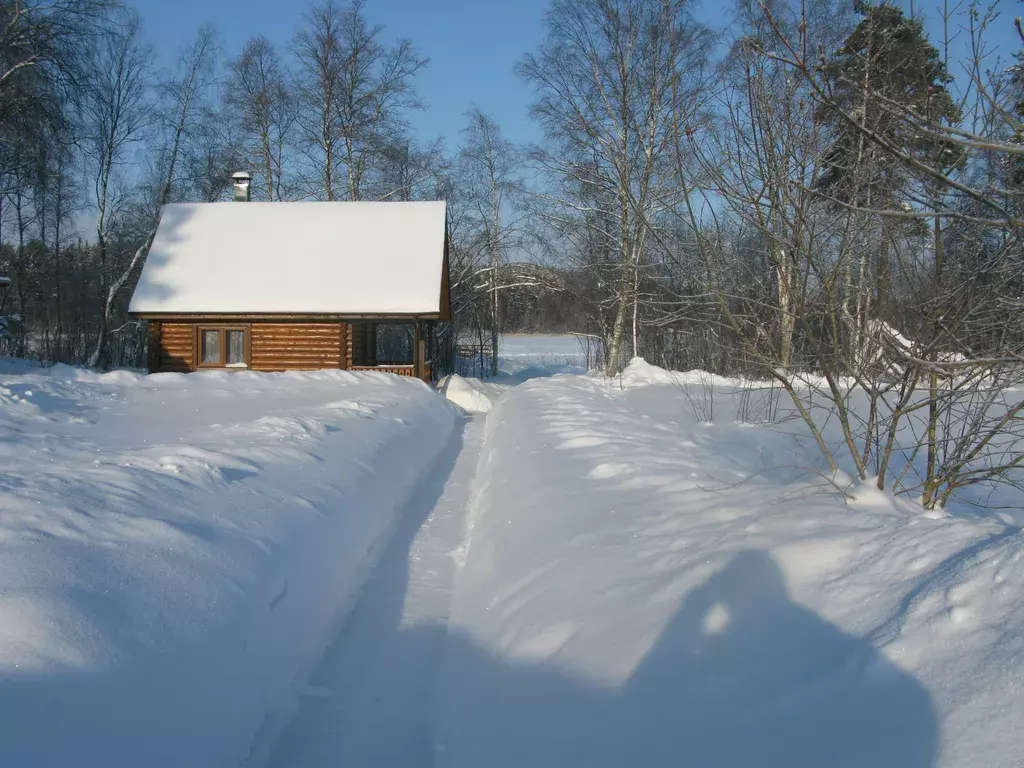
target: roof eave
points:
(273, 316)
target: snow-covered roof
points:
(361, 258)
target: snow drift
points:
(177, 551)
(469, 394)
(641, 587)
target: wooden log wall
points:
(174, 347)
(298, 346)
(275, 346)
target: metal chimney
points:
(242, 182)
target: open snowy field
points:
(518, 351)
(176, 552)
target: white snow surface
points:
(176, 552)
(370, 701)
(307, 257)
(642, 587)
(472, 395)
(595, 572)
(519, 351)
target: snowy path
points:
(369, 701)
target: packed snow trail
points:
(369, 701)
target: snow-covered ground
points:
(370, 702)
(585, 572)
(644, 587)
(518, 351)
(525, 356)
(176, 552)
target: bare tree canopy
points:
(823, 196)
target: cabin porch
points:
(401, 348)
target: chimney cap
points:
(241, 176)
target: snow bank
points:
(640, 588)
(468, 394)
(176, 551)
(640, 373)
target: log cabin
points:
(295, 286)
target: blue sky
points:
(473, 45)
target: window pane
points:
(211, 347)
(236, 347)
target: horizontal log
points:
(285, 349)
(330, 329)
(298, 358)
(300, 343)
(323, 341)
(305, 349)
(296, 332)
(297, 335)
(300, 330)
(314, 366)
(333, 327)
(309, 340)
(272, 368)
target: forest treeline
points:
(821, 189)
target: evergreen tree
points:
(885, 72)
(886, 64)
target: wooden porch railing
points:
(398, 370)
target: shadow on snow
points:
(741, 675)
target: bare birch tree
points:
(376, 92)
(605, 78)
(121, 114)
(118, 113)
(320, 61)
(261, 108)
(489, 169)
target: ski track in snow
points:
(369, 701)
